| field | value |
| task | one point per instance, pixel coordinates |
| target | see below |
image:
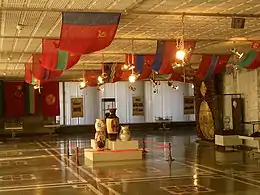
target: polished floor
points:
(41, 167)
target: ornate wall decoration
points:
(205, 108)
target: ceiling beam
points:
(10, 53)
(130, 12)
(87, 63)
(128, 38)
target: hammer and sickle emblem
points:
(101, 34)
(50, 99)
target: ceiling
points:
(144, 21)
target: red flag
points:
(55, 59)
(91, 77)
(169, 55)
(50, 99)
(14, 99)
(28, 73)
(211, 65)
(83, 33)
(142, 65)
(113, 71)
(41, 73)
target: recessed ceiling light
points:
(4, 73)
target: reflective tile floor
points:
(41, 166)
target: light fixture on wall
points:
(155, 83)
(100, 88)
(192, 86)
(127, 67)
(171, 84)
(155, 90)
(37, 87)
(101, 79)
(83, 85)
(132, 87)
(235, 52)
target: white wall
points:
(166, 102)
(246, 83)
(90, 104)
(123, 96)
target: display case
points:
(106, 104)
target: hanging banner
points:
(76, 107)
(138, 106)
(189, 105)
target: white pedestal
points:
(251, 142)
(108, 155)
(228, 140)
(123, 145)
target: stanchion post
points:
(144, 145)
(68, 148)
(77, 155)
(170, 158)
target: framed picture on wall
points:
(138, 106)
(189, 105)
(76, 107)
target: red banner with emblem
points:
(50, 99)
(83, 32)
(14, 99)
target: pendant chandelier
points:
(134, 76)
(129, 65)
(102, 78)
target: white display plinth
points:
(118, 145)
(108, 155)
(251, 142)
(123, 145)
(228, 140)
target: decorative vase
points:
(112, 123)
(100, 135)
(125, 134)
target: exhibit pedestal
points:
(114, 151)
(227, 140)
(253, 142)
(118, 145)
(108, 155)
(123, 145)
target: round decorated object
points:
(100, 125)
(206, 121)
(125, 134)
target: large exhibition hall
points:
(129, 97)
